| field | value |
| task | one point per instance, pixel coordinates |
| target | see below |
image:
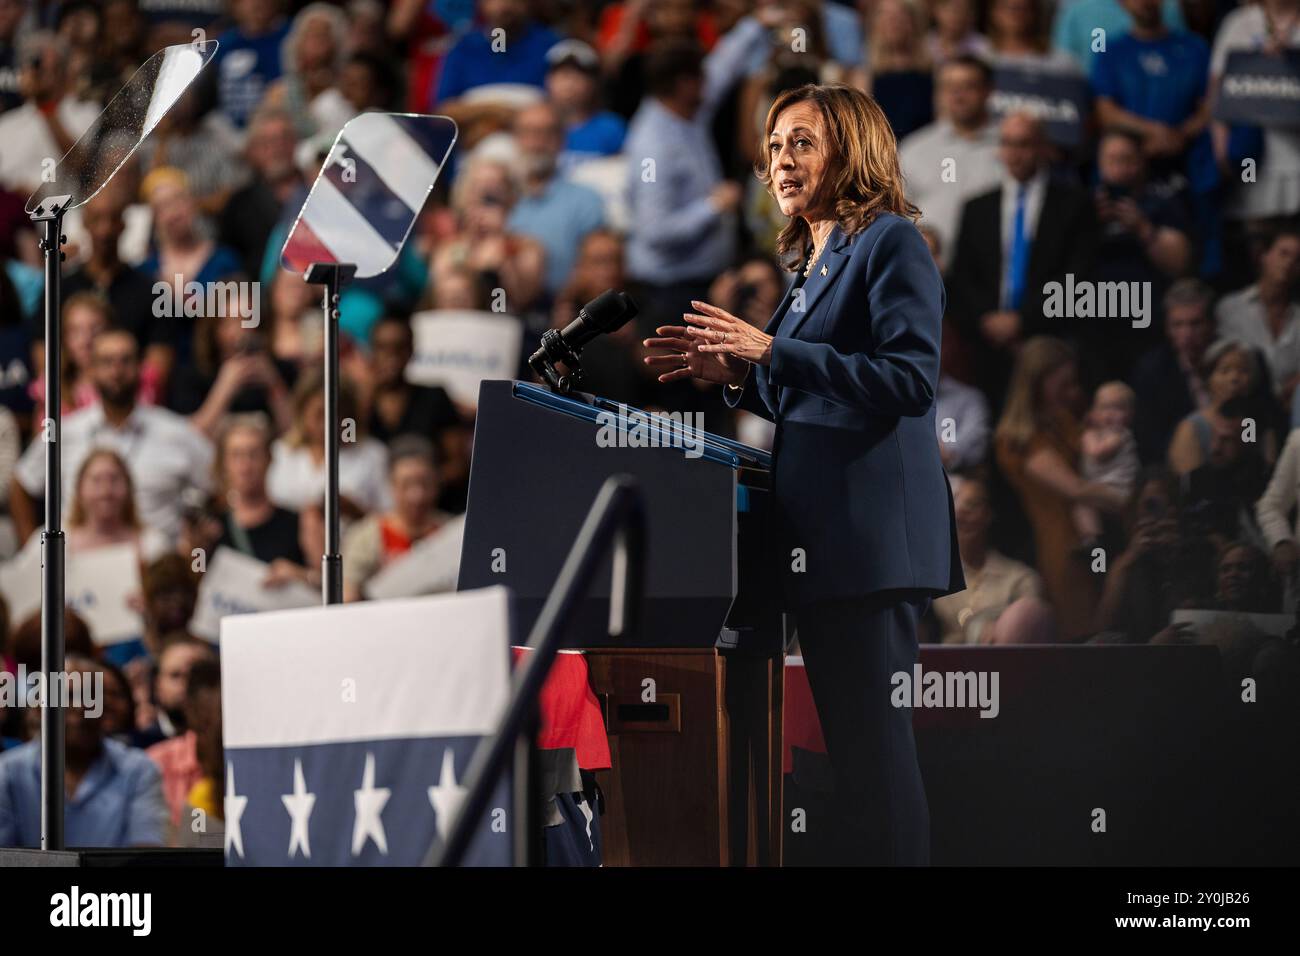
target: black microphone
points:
(608, 312)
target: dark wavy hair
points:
(863, 173)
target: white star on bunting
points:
(234, 809)
(369, 802)
(299, 804)
(447, 795)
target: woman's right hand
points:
(685, 360)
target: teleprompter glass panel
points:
(369, 192)
(129, 117)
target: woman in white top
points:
(103, 510)
(102, 514)
(383, 538)
(297, 476)
(1003, 601)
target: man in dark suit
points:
(1012, 241)
(1167, 379)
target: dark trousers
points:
(851, 649)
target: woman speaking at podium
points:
(863, 534)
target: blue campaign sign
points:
(369, 192)
(1059, 100)
(1260, 89)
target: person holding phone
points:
(1144, 236)
(233, 373)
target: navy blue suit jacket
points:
(857, 480)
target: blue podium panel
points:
(539, 460)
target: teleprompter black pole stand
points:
(50, 214)
(333, 276)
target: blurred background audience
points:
(1124, 467)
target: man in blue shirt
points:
(682, 208)
(248, 59)
(573, 86)
(557, 213)
(1154, 81)
(114, 791)
(508, 48)
(1077, 21)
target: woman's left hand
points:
(717, 330)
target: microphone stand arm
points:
(555, 349)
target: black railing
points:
(617, 520)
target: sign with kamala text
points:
(1059, 100)
(458, 349)
(233, 584)
(1260, 89)
(102, 586)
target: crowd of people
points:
(1114, 462)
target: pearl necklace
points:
(817, 251)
